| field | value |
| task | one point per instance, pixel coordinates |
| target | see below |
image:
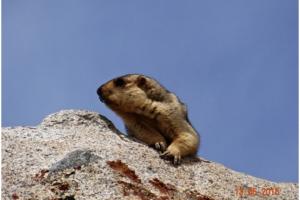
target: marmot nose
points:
(99, 92)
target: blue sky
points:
(234, 63)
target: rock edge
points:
(77, 154)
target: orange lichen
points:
(162, 187)
(40, 175)
(197, 196)
(137, 190)
(15, 196)
(123, 169)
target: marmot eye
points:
(119, 82)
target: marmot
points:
(151, 114)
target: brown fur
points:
(151, 114)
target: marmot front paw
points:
(172, 153)
(160, 146)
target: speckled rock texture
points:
(75, 154)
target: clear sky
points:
(234, 63)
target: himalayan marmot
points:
(151, 114)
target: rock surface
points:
(77, 154)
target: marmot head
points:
(121, 91)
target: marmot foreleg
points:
(145, 133)
(182, 146)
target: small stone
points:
(74, 159)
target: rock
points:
(77, 154)
(74, 159)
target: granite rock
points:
(76, 154)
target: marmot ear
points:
(141, 81)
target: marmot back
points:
(151, 114)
